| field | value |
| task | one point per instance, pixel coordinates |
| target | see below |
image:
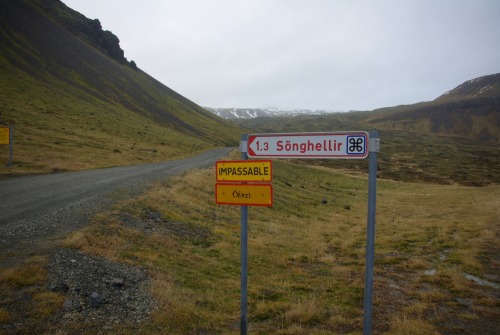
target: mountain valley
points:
(161, 257)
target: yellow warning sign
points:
(244, 171)
(244, 194)
(4, 135)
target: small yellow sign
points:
(244, 171)
(4, 135)
(244, 194)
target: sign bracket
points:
(243, 146)
(373, 144)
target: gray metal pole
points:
(373, 148)
(11, 140)
(244, 255)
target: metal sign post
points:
(373, 148)
(11, 141)
(244, 257)
(244, 183)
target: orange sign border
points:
(243, 202)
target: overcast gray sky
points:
(312, 54)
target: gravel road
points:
(100, 295)
(34, 209)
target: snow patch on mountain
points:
(249, 113)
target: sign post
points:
(246, 183)
(244, 258)
(374, 146)
(335, 145)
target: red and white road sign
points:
(344, 145)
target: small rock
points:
(480, 281)
(431, 272)
(117, 282)
(464, 302)
(95, 299)
(62, 287)
(77, 306)
(68, 316)
(347, 207)
(68, 305)
(324, 201)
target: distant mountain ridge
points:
(486, 87)
(471, 109)
(245, 113)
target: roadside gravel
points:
(36, 212)
(98, 292)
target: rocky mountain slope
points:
(486, 87)
(472, 109)
(66, 86)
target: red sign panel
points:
(344, 145)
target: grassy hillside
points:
(75, 106)
(471, 110)
(478, 88)
(416, 155)
(306, 259)
(453, 139)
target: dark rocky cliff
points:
(89, 30)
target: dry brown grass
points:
(306, 259)
(24, 298)
(29, 273)
(46, 304)
(5, 316)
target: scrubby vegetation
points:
(306, 258)
(76, 103)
